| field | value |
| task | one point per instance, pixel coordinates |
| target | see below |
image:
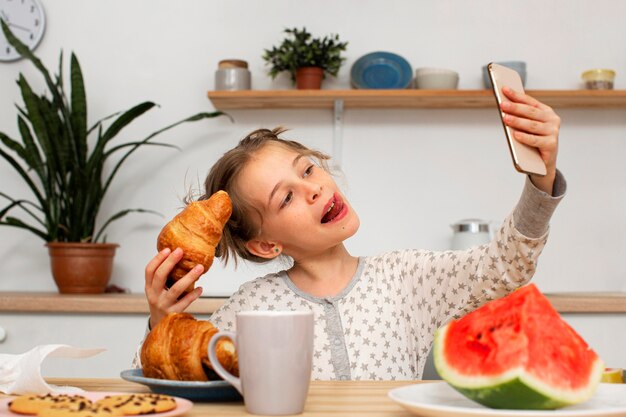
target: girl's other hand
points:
(162, 300)
(536, 125)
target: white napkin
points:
(21, 374)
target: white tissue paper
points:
(21, 374)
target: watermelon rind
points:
(514, 389)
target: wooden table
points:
(326, 398)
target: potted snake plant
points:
(307, 59)
(62, 161)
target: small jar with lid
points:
(232, 74)
(599, 79)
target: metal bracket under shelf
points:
(338, 132)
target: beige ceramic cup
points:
(275, 353)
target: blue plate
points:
(192, 390)
(381, 70)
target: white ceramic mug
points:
(275, 353)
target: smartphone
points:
(526, 159)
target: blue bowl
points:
(191, 390)
(381, 70)
(519, 66)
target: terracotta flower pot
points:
(81, 268)
(309, 78)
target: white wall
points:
(409, 173)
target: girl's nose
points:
(314, 192)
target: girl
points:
(375, 316)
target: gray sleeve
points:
(535, 207)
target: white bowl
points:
(436, 79)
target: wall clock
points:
(27, 21)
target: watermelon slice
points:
(517, 353)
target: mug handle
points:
(217, 366)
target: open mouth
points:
(334, 207)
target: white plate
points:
(182, 405)
(441, 400)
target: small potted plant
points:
(307, 59)
(62, 162)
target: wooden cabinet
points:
(119, 334)
(115, 322)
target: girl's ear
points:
(264, 249)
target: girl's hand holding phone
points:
(537, 125)
(162, 300)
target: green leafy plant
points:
(300, 49)
(61, 160)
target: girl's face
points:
(303, 212)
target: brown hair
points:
(241, 228)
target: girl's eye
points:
(287, 199)
(309, 170)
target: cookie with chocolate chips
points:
(84, 410)
(32, 404)
(135, 404)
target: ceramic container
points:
(469, 233)
(598, 79)
(436, 79)
(519, 66)
(232, 78)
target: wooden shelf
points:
(45, 302)
(433, 99)
(37, 302)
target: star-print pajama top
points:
(381, 326)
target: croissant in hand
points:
(196, 230)
(177, 349)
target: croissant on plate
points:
(177, 349)
(196, 230)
